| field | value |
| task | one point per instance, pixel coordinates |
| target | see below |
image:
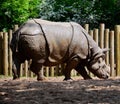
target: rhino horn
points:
(104, 50)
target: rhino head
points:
(97, 64)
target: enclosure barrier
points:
(105, 38)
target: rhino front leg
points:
(36, 68)
(82, 71)
(69, 66)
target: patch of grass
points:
(2, 76)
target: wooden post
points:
(91, 33)
(86, 26)
(52, 71)
(10, 52)
(31, 73)
(21, 70)
(47, 71)
(1, 52)
(15, 27)
(107, 45)
(102, 28)
(5, 53)
(112, 61)
(95, 37)
(26, 68)
(42, 71)
(73, 73)
(117, 35)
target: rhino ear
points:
(105, 50)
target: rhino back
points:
(30, 28)
(58, 36)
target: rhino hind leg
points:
(82, 71)
(69, 66)
(36, 68)
(16, 66)
(16, 70)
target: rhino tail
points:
(14, 41)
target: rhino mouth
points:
(100, 74)
(105, 76)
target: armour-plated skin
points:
(51, 43)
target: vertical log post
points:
(102, 28)
(107, 45)
(117, 35)
(5, 53)
(86, 26)
(26, 68)
(47, 71)
(73, 73)
(15, 27)
(31, 73)
(42, 71)
(10, 53)
(21, 70)
(1, 52)
(52, 71)
(95, 32)
(112, 61)
(91, 33)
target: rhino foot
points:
(41, 79)
(68, 79)
(16, 78)
(87, 78)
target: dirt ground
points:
(57, 91)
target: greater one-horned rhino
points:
(52, 43)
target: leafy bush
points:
(17, 11)
(92, 12)
(81, 11)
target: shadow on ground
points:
(56, 91)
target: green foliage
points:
(106, 10)
(81, 11)
(17, 11)
(68, 10)
(117, 12)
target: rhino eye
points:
(100, 60)
(104, 66)
(103, 58)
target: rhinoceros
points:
(51, 43)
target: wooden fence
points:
(105, 38)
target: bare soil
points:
(56, 91)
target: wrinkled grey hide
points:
(52, 43)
